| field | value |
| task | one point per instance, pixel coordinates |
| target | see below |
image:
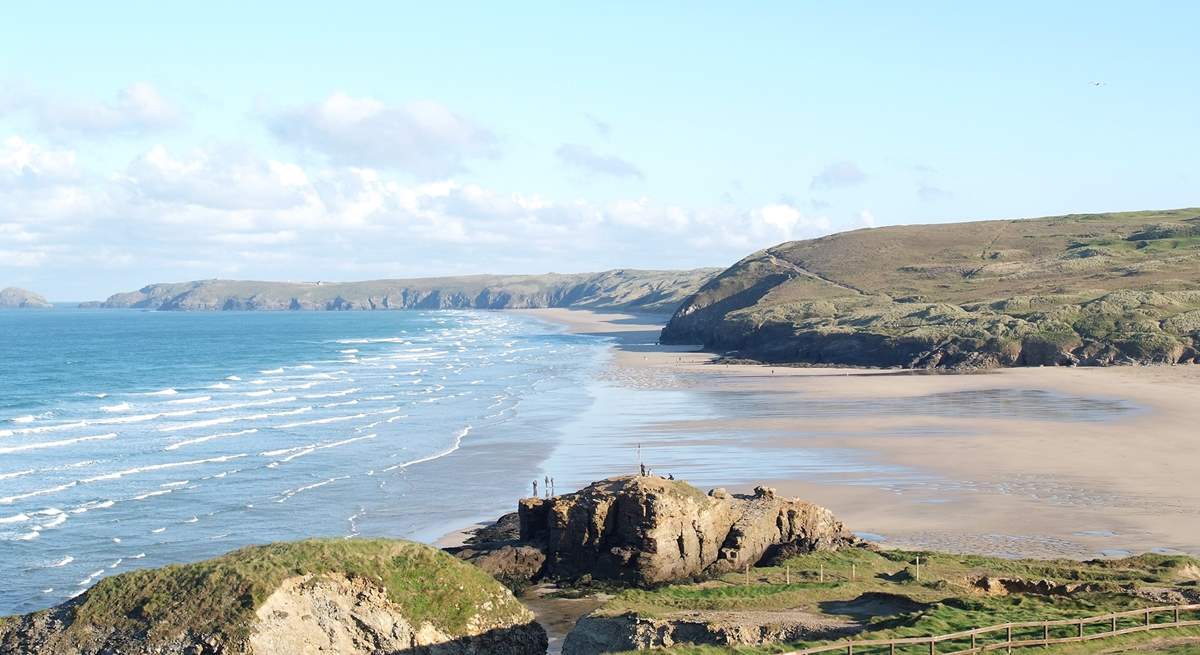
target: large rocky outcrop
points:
(365, 597)
(645, 530)
(14, 298)
(627, 290)
(1097, 289)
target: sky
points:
(148, 142)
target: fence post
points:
(1177, 615)
(1147, 619)
(854, 576)
(747, 573)
(972, 641)
(787, 574)
(1114, 624)
(822, 574)
(932, 646)
(1010, 639)
(1045, 633)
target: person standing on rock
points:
(546, 488)
(552, 492)
(535, 489)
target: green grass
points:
(218, 597)
(898, 604)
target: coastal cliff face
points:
(357, 598)
(646, 530)
(628, 290)
(1097, 289)
(14, 298)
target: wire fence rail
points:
(1008, 636)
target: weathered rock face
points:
(593, 635)
(646, 530)
(14, 298)
(333, 614)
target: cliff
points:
(1094, 289)
(356, 597)
(627, 290)
(14, 298)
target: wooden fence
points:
(1008, 636)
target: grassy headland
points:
(1087, 289)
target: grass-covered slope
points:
(629, 290)
(1088, 289)
(214, 602)
(880, 592)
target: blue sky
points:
(142, 142)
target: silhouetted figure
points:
(546, 488)
(552, 491)
(643, 467)
(535, 489)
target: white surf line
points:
(292, 492)
(231, 419)
(320, 421)
(8, 500)
(301, 451)
(188, 442)
(141, 418)
(56, 444)
(159, 467)
(16, 474)
(333, 394)
(455, 446)
(188, 401)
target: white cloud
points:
(588, 160)
(218, 179)
(225, 211)
(25, 163)
(425, 139)
(838, 175)
(866, 218)
(138, 108)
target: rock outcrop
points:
(646, 530)
(323, 596)
(595, 634)
(14, 298)
(625, 290)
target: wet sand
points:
(1070, 462)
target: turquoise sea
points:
(131, 439)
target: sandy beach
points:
(1071, 462)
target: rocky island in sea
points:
(15, 298)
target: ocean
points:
(133, 439)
